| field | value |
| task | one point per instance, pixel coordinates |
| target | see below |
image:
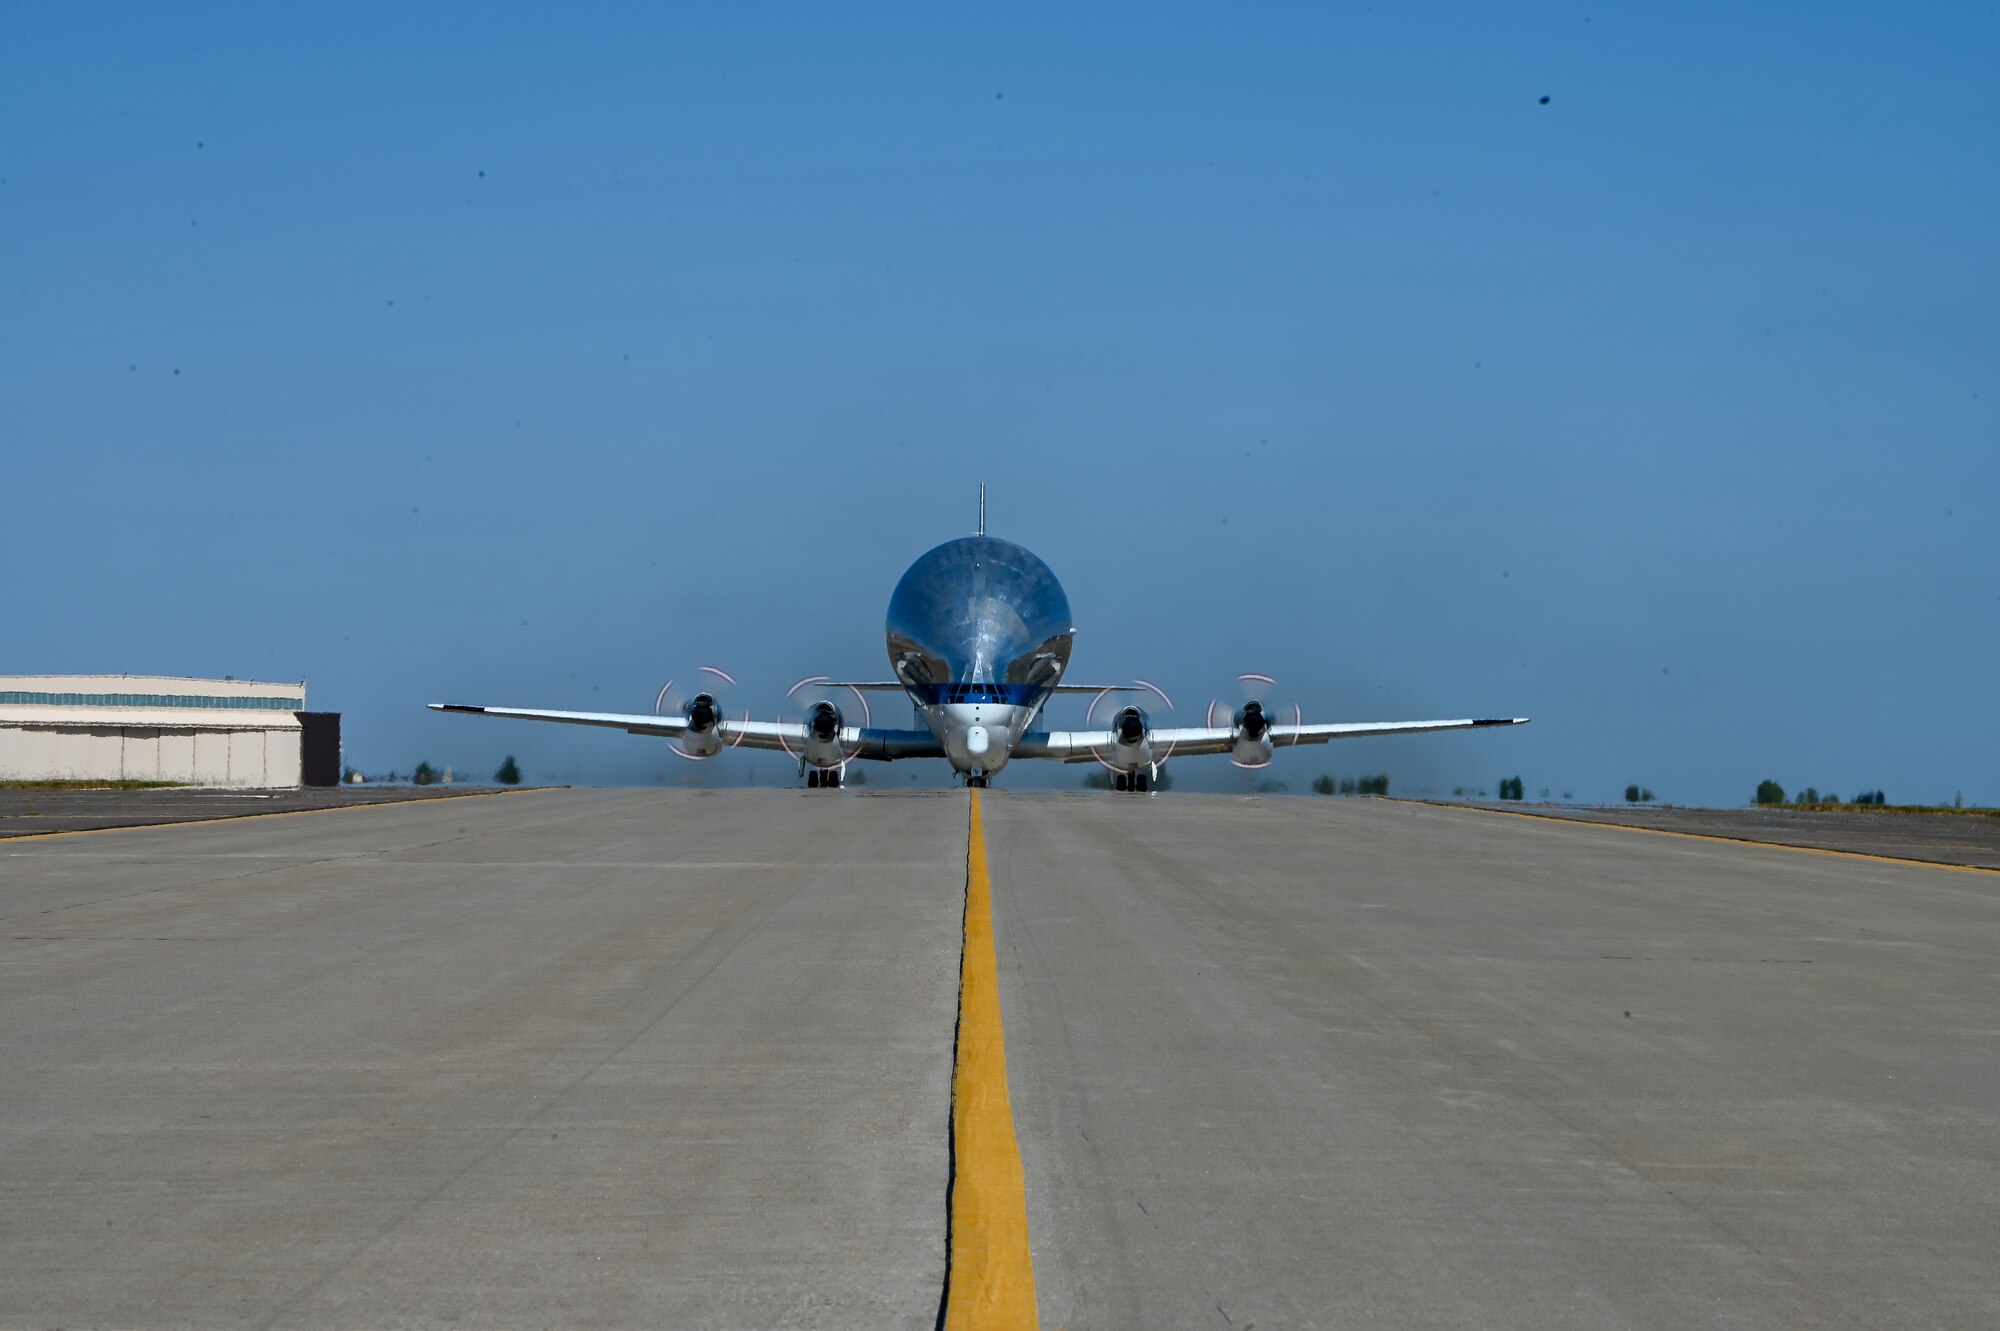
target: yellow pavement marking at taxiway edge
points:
(271, 813)
(991, 1277)
(1710, 836)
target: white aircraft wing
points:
(1067, 746)
(1072, 746)
(635, 724)
(789, 736)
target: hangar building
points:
(198, 732)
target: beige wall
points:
(136, 728)
(176, 756)
(254, 758)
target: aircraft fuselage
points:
(979, 634)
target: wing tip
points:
(1503, 721)
(453, 707)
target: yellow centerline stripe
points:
(1711, 836)
(8, 840)
(992, 1275)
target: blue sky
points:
(535, 356)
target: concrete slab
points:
(1970, 838)
(571, 1058)
(1328, 1063)
(647, 1058)
(29, 811)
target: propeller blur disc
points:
(800, 699)
(1256, 688)
(674, 699)
(1166, 711)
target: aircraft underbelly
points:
(979, 736)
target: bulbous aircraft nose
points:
(976, 740)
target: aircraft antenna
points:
(982, 508)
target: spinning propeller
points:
(816, 703)
(1129, 723)
(703, 708)
(1253, 720)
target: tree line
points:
(1351, 785)
(1770, 792)
(425, 774)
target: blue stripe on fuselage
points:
(1015, 695)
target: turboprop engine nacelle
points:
(701, 738)
(1131, 758)
(1131, 742)
(1253, 735)
(1131, 726)
(823, 726)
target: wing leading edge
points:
(1073, 746)
(789, 736)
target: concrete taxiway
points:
(1970, 838)
(37, 811)
(639, 1058)
(1383, 1064)
(550, 1059)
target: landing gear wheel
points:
(812, 779)
(1123, 781)
(832, 779)
(1140, 782)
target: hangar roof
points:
(161, 701)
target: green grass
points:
(91, 785)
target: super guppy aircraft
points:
(979, 636)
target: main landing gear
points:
(1137, 782)
(828, 779)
